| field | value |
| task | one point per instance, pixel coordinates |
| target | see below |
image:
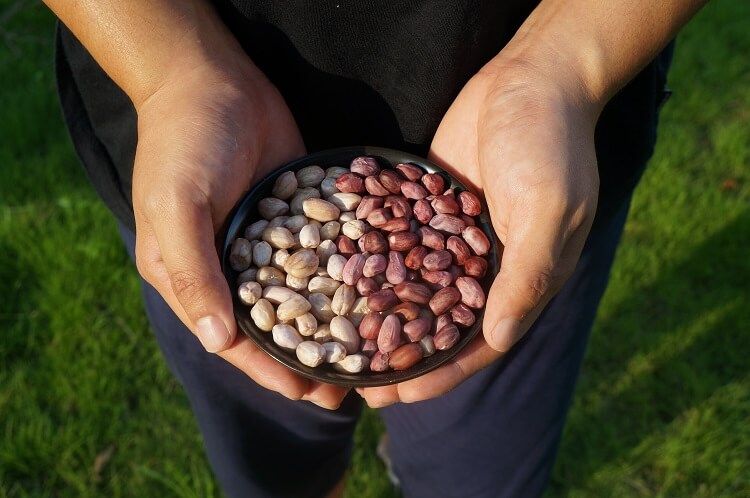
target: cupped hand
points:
(526, 142)
(204, 137)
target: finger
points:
(476, 356)
(325, 395)
(530, 273)
(182, 226)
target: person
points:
(547, 108)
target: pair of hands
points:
(520, 138)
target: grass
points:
(663, 403)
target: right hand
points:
(204, 136)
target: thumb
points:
(184, 232)
(529, 275)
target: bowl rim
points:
(387, 158)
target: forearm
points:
(597, 45)
(140, 43)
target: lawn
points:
(88, 408)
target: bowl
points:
(246, 213)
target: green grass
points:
(663, 404)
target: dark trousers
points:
(495, 435)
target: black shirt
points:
(374, 72)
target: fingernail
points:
(212, 333)
(505, 334)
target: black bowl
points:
(246, 213)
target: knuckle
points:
(154, 203)
(538, 284)
(187, 287)
(146, 266)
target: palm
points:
(532, 157)
(202, 143)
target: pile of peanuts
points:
(363, 268)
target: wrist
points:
(542, 84)
(206, 53)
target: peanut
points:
(374, 264)
(285, 185)
(277, 294)
(415, 330)
(309, 236)
(370, 325)
(318, 209)
(335, 352)
(391, 181)
(446, 337)
(477, 240)
(320, 307)
(343, 331)
(336, 171)
(254, 231)
(458, 249)
(445, 204)
(462, 315)
(345, 201)
(472, 294)
(444, 299)
(350, 182)
(382, 300)
(343, 299)
(448, 223)
(302, 263)
(413, 190)
(278, 237)
(434, 183)
(410, 171)
(330, 230)
(310, 176)
(423, 211)
(413, 292)
(406, 356)
(325, 250)
(353, 363)
(262, 254)
(324, 285)
(306, 324)
(402, 241)
(429, 237)
(379, 361)
(395, 272)
(328, 187)
(268, 275)
(353, 269)
(249, 293)
(389, 337)
(263, 315)
(366, 286)
(469, 203)
(437, 260)
(270, 207)
(406, 312)
(354, 229)
(365, 166)
(286, 336)
(240, 255)
(291, 309)
(310, 353)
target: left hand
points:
(525, 140)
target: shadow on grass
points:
(647, 377)
(18, 314)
